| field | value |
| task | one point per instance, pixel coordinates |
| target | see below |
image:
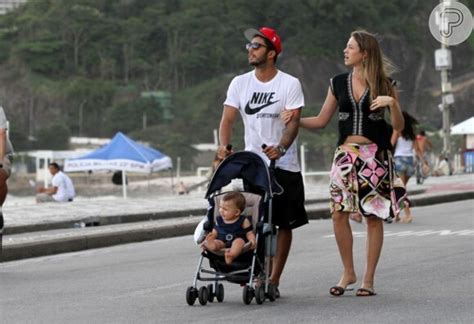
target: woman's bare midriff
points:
(357, 139)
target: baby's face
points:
(229, 210)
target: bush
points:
(54, 137)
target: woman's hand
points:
(381, 102)
(286, 116)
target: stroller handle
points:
(272, 162)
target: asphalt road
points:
(425, 275)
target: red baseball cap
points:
(265, 32)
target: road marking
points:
(415, 233)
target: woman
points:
(405, 146)
(361, 175)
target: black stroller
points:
(252, 268)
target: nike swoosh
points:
(252, 111)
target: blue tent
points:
(122, 154)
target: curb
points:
(78, 239)
(130, 218)
(103, 221)
(95, 237)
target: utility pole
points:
(443, 63)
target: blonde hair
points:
(377, 67)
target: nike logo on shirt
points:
(264, 99)
(251, 111)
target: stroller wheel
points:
(260, 294)
(191, 295)
(210, 297)
(247, 294)
(220, 293)
(203, 295)
(272, 292)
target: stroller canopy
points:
(245, 165)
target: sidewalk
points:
(43, 229)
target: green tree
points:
(54, 137)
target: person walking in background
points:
(406, 147)
(6, 159)
(424, 144)
(423, 165)
(61, 190)
(362, 180)
(260, 96)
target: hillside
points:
(80, 67)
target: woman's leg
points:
(374, 247)
(343, 233)
(408, 217)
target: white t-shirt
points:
(65, 187)
(260, 105)
(404, 147)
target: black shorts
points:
(288, 210)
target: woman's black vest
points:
(356, 118)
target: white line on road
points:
(416, 233)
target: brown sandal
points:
(365, 292)
(338, 290)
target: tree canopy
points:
(85, 63)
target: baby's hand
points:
(253, 244)
(286, 116)
(204, 245)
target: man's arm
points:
(50, 190)
(291, 130)
(229, 116)
(289, 134)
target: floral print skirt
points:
(363, 180)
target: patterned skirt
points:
(363, 180)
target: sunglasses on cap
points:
(254, 46)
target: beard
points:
(258, 61)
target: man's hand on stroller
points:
(273, 152)
(223, 151)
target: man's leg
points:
(44, 197)
(284, 239)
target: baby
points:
(231, 230)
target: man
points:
(6, 158)
(422, 146)
(260, 96)
(62, 189)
